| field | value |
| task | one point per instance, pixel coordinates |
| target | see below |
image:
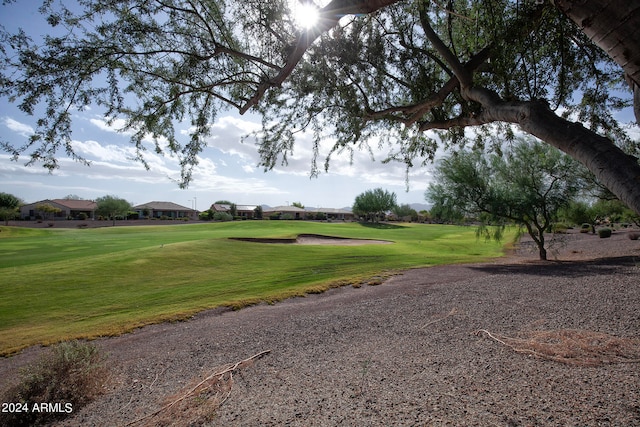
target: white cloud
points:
(114, 127)
(22, 129)
(111, 153)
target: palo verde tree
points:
(47, 210)
(373, 204)
(413, 74)
(112, 207)
(527, 185)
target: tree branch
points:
(329, 17)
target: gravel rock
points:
(404, 353)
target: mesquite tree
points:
(373, 204)
(414, 74)
(527, 185)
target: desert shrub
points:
(559, 228)
(222, 216)
(206, 215)
(634, 235)
(604, 232)
(585, 228)
(66, 378)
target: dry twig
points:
(575, 347)
(204, 385)
(439, 319)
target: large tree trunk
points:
(613, 26)
(615, 169)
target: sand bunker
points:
(315, 239)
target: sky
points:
(227, 170)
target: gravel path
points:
(404, 353)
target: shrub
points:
(585, 228)
(604, 233)
(206, 215)
(69, 376)
(222, 216)
(634, 235)
(559, 228)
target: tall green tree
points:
(373, 204)
(112, 207)
(9, 205)
(413, 74)
(405, 212)
(527, 185)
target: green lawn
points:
(58, 284)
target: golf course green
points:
(58, 284)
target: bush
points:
(68, 377)
(585, 228)
(206, 215)
(559, 228)
(604, 233)
(222, 216)
(634, 235)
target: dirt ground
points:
(513, 342)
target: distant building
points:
(69, 208)
(244, 211)
(164, 209)
(285, 211)
(332, 213)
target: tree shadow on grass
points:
(382, 225)
(602, 266)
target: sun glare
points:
(305, 14)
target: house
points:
(332, 213)
(65, 209)
(244, 211)
(164, 210)
(284, 212)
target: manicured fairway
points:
(58, 284)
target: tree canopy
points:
(410, 74)
(372, 204)
(9, 205)
(112, 207)
(527, 185)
